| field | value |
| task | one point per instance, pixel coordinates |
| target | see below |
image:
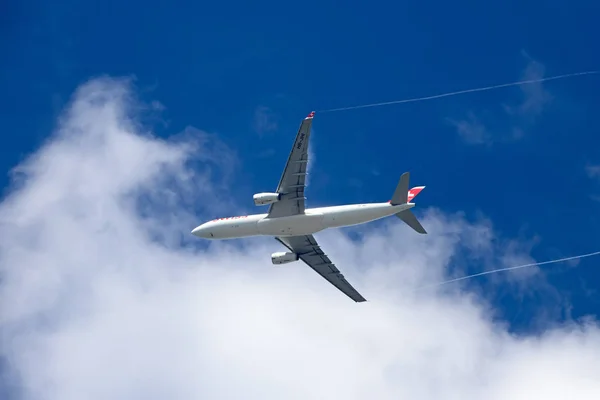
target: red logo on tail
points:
(412, 193)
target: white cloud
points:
(487, 127)
(99, 299)
(593, 171)
(471, 130)
(535, 96)
(310, 166)
(265, 120)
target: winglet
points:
(311, 115)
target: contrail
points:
(511, 268)
(437, 96)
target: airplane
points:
(293, 225)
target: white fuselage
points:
(312, 221)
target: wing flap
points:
(310, 252)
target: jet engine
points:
(283, 257)
(260, 199)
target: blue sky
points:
(248, 73)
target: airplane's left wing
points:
(309, 251)
(292, 182)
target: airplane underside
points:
(305, 224)
(312, 221)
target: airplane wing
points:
(310, 252)
(292, 182)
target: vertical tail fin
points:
(401, 193)
(402, 196)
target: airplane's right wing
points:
(293, 180)
(310, 252)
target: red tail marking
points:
(412, 193)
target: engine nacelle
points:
(283, 257)
(260, 199)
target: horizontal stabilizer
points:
(409, 219)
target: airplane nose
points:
(201, 231)
(197, 231)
